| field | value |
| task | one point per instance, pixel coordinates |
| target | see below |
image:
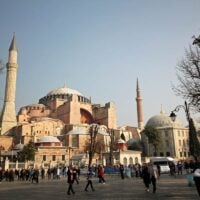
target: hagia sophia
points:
(59, 126)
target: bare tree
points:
(2, 67)
(92, 147)
(188, 75)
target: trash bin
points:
(190, 180)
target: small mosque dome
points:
(19, 146)
(132, 141)
(120, 141)
(163, 120)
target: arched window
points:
(125, 161)
(130, 161)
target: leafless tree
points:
(92, 147)
(2, 67)
(188, 75)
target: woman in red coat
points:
(101, 174)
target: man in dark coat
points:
(146, 176)
(70, 180)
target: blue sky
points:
(100, 48)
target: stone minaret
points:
(8, 118)
(139, 107)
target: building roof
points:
(78, 132)
(82, 130)
(46, 139)
(35, 105)
(77, 157)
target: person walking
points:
(1, 174)
(179, 168)
(121, 170)
(70, 180)
(90, 175)
(146, 176)
(101, 174)
(197, 177)
(75, 174)
(42, 173)
(159, 170)
(58, 170)
(35, 175)
(153, 172)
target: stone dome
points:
(19, 146)
(132, 141)
(120, 141)
(163, 120)
(48, 139)
(63, 91)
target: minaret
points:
(8, 118)
(139, 107)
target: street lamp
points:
(69, 151)
(194, 146)
(1, 158)
(185, 107)
(111, 134)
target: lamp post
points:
(69, 149)
(1, 158)
(111, 134)
(194, 147)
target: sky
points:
(100, 48)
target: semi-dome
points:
(63, 91)
(48, 139)
(163, 120)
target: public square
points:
(115, 188)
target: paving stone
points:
(115, 189)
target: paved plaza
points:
(115, 188)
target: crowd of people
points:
(33, 174)
(148, 172)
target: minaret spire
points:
(137, 85)
(8, 118)
(139, 106)
(13, 45)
